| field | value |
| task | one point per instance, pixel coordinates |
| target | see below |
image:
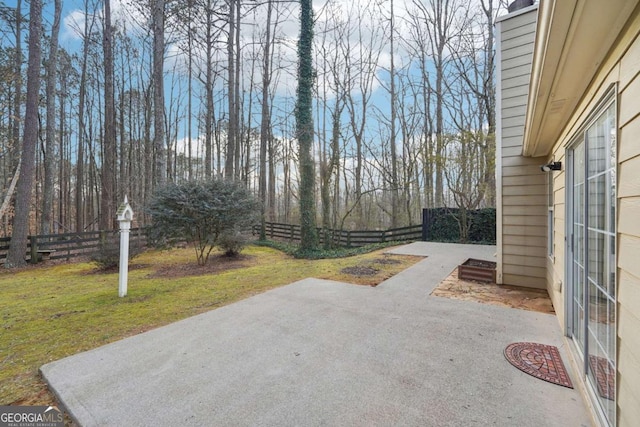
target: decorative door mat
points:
(539, 360)
(605, 376)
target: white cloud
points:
(129, 16)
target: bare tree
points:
(50, 138)
(475, 63)
(331, 104)
(232, 130)
(107, 193)
(440, 20)
(12, 160)
(265, 119)
(361, 63)
(416, 43)
(160, 169)
(17, 75)
(18, 245)
(392, 131)
(89, 22)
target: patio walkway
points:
(318, 352)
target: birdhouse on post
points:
(124, 216)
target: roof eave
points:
(572, 40)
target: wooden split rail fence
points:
(346, 238)
(70, 245)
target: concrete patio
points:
(318, 352)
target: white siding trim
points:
(498, 165)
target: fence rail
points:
(439, 224)
(348, 238)
(70, 245)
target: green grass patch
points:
(50, 312)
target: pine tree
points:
(18, 245)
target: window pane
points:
(600, 265)
(596, 258)
(598, 136)
(597, 202)
(611, 285)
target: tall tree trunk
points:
(189, 88)
(232, 128)
(330, 166)
(124, 185)
(160, 172)
(236, 102)
(64, 203)
(490, 102)
(304, 129)
(82, 90)
(50, 138)
(265, 125)
(18, 245)
(208, 118)
(107, 208)
(392, 139)
(17, 85)
(442, 23)
(148, 143)
(271, 214)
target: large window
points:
(591, 253)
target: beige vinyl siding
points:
(621, 67)
(628, 390)
(556, 264)
(522, 201)
(628, 362)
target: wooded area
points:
(102, 99)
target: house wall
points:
(521, 186)
(622, 68)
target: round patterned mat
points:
(539, 360)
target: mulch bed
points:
(360, 270)
(386, 261)
(216, 264)
(489, 293)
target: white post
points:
(125, 216)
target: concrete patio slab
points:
(318, 352)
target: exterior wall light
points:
(555, 166)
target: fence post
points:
(348, 238)
(34, 249)
(426, 220)
(384, 236)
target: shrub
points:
(232, 242)
(200, 212)
(443, 225)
